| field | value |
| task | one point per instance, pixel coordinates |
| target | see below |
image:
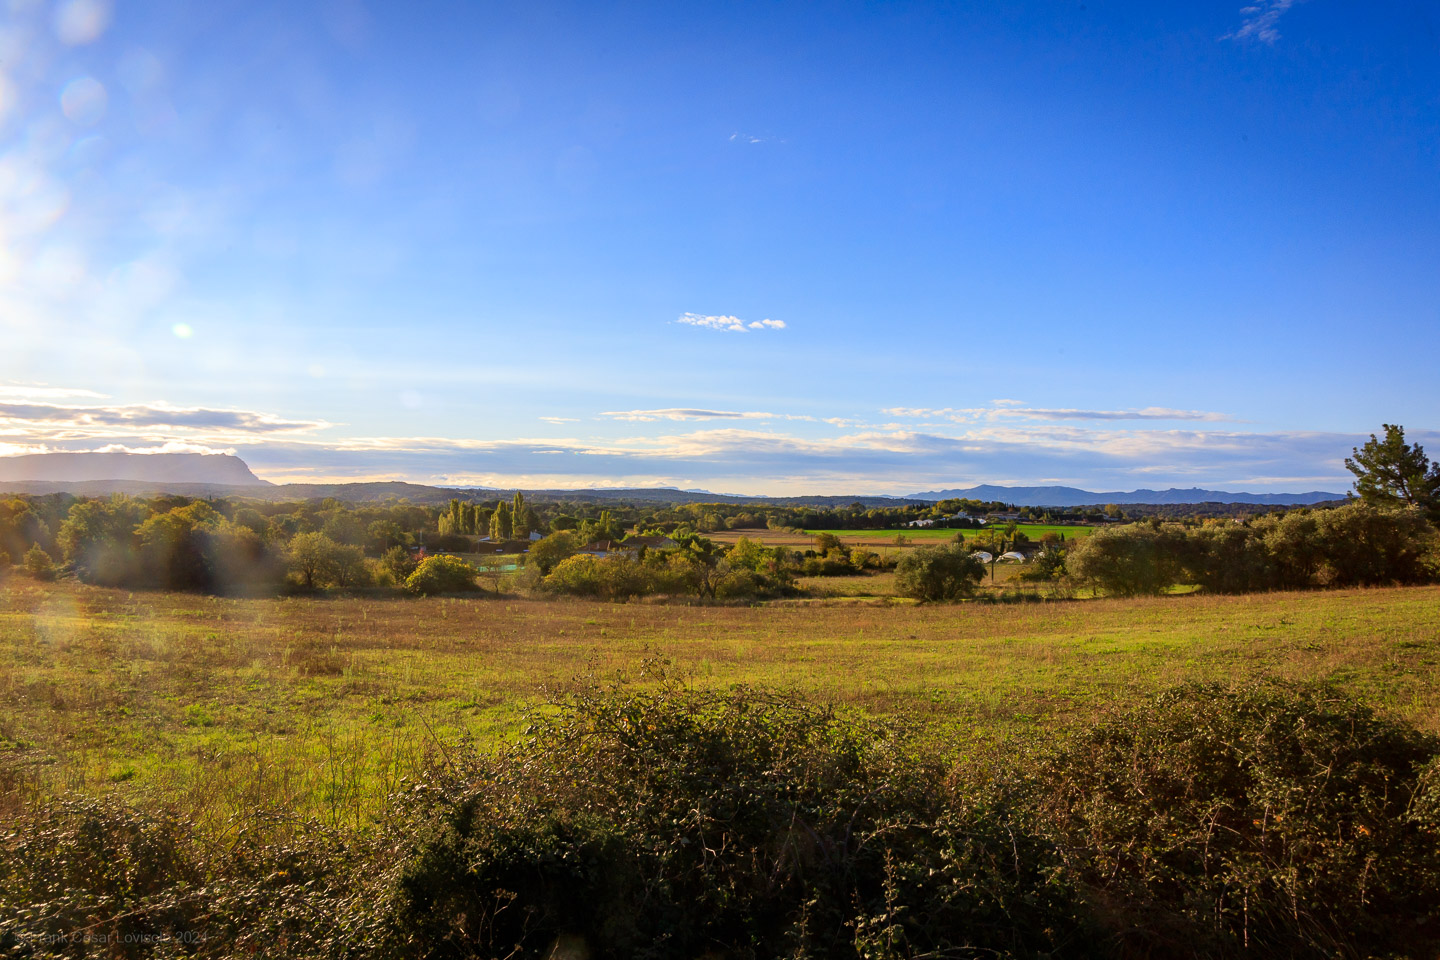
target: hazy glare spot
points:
(144, 283)
(60, 269)
(78, 22)
(83, 100)
(411, 400)
(315, 370)
(140, 71)
(34, 199)
(9, 97)
(183, 331)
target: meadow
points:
(322, 705)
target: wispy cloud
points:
(1007, 409)
(682, 413)
(754, 460)
(45, 419)
(1260, 20)
(732, 324)
(560, 419)
(737, 451)
(739, 137)
(37, 392)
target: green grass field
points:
(323, 704)
(1032, 530)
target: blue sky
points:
(761, 248)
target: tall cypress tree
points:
(519, 520)
(500, 522)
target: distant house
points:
(630, 547)
(605, 548)
(486, 545)
(650, 543)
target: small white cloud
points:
(560, 419)
(730, 323)
(1260, 21)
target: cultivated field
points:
(322, 705)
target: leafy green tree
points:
(310, 557)
(348, 570)
(1392, 473)
(385, 535)
(945, 572)
(547, 553)
(98, 539)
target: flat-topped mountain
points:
(1075, 497)
(152, 468)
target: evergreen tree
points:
(1392, 473)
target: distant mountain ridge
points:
(222, 475)
(1075, 497)
(218, 469)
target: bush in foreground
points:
(1264, 821)
(1271, 819)
(683, 824)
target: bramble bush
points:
(1282, 820)
(1264, 820)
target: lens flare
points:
(78, 22)
(84, 100)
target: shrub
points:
(442, 574)
(38, 563)
(684, 824)
(1128, 561)
(1229, 558)
(1272, 818)
(96, 878)
(1373, 546)
(938, 573)
(399, 562)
